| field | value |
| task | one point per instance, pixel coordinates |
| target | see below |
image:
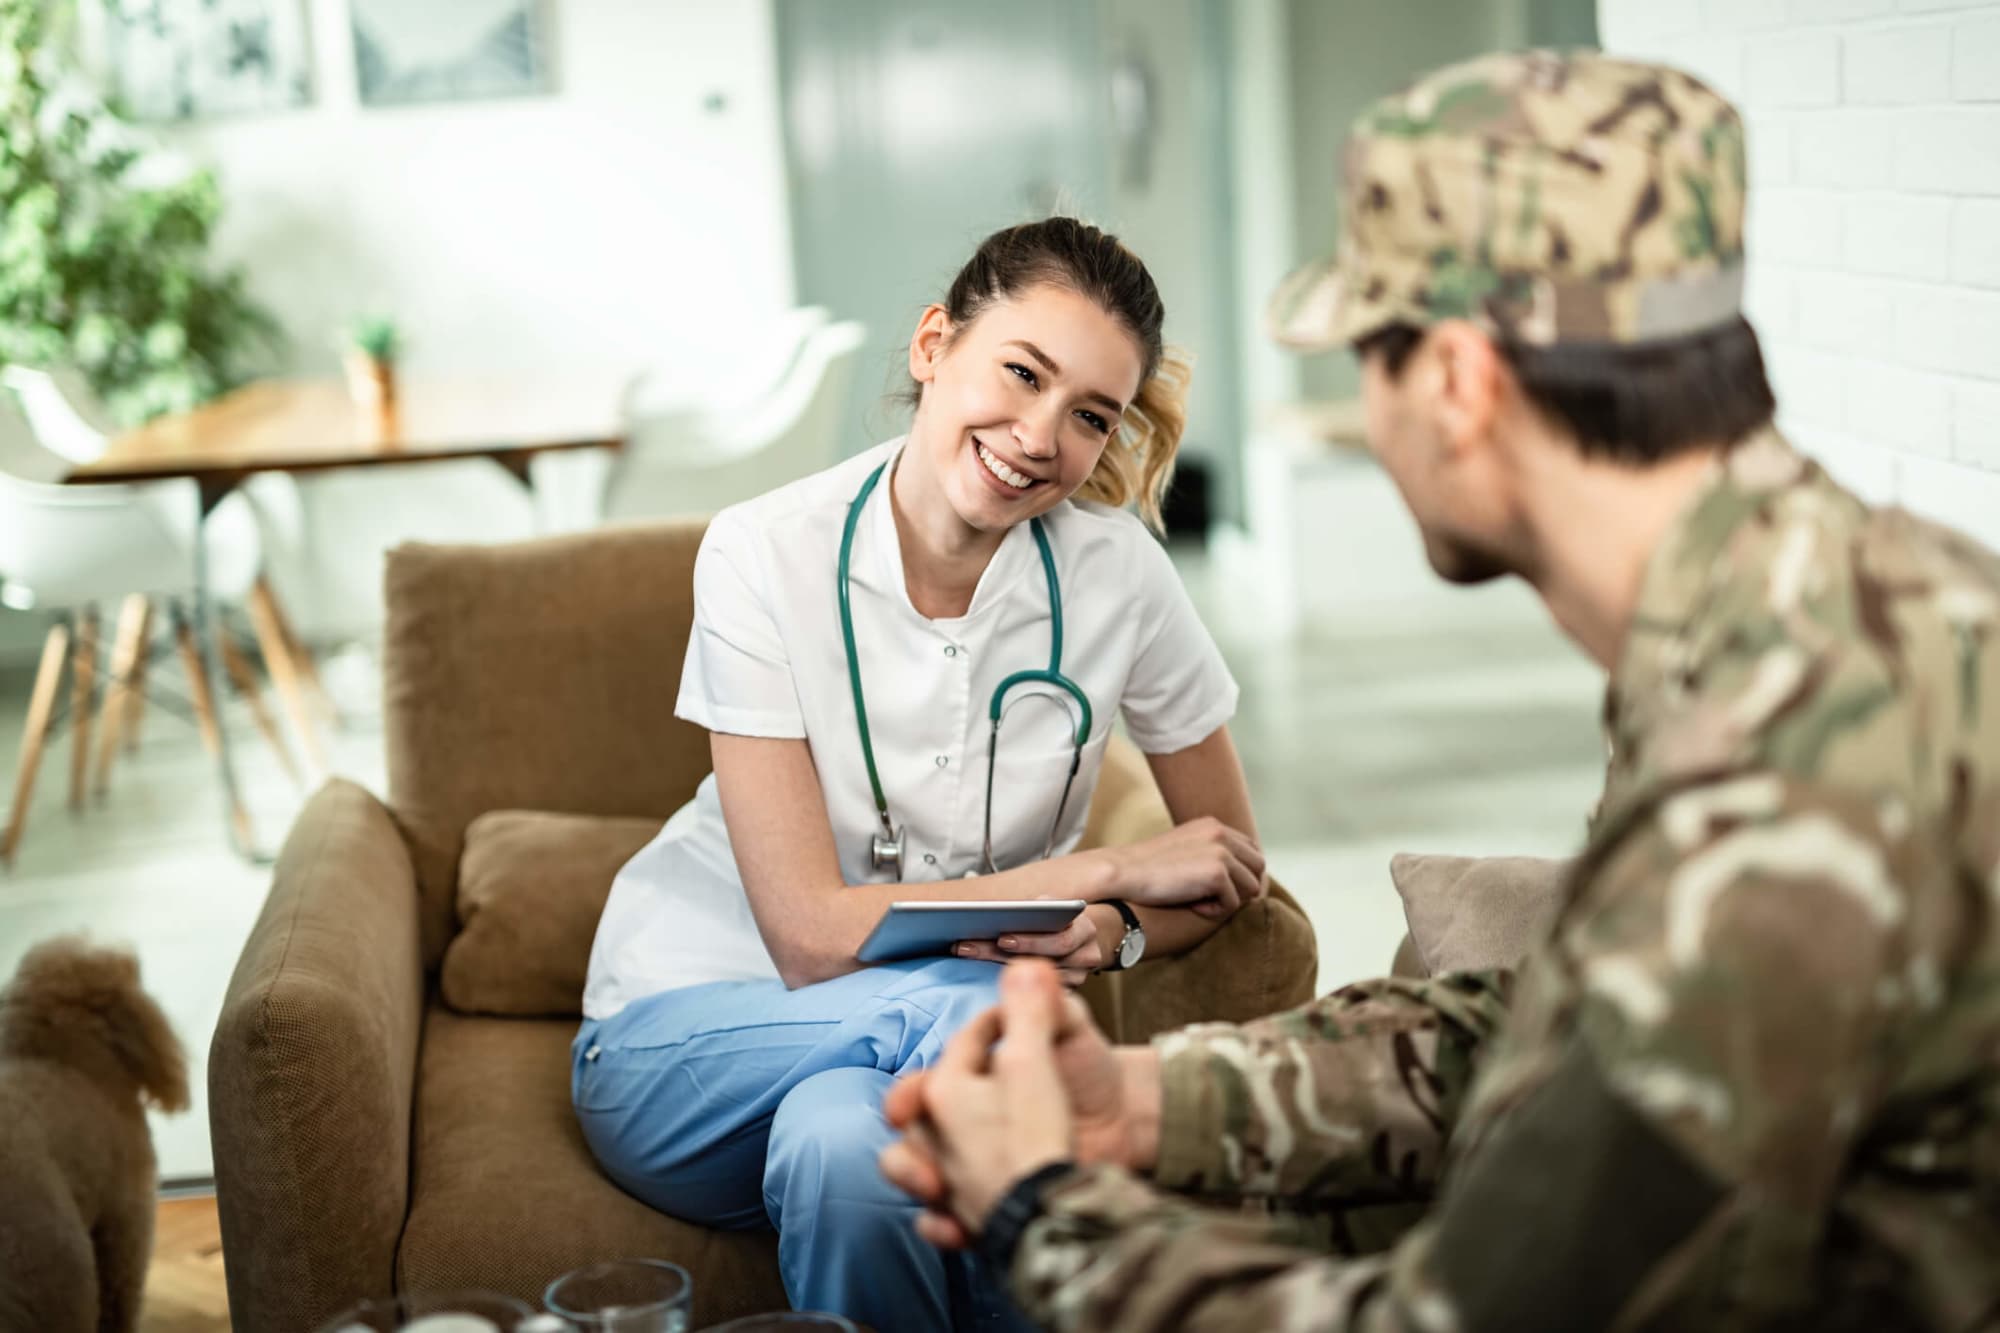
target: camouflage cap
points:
(1548, 196)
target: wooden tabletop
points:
(304, 425)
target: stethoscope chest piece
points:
(885, 850)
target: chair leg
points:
(204, 711)
(83, 704)
(268, 622)
(244, 677)
(302, 659)
(112, 716)
(130, 725)
(41, 710)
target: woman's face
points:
(1018, 405)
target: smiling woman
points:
(972, 596)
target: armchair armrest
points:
(311, 1071)
(1265, 959)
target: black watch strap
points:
(1011, 1217)
(1117, 963)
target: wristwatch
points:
(1133, 946)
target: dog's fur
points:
(82, 1051)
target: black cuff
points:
(1010, 1217)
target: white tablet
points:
(911, 930)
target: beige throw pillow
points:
(531, 886)
(1469, 913)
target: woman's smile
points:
(1001, 477)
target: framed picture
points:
(449, 50)
(192, 59)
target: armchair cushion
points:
(505, 1195)
(531, 887)
(1470, 913)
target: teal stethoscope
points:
(886, 847)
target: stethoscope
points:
(885, 850)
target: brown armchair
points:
(370, 1135)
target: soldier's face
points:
(1430, 430)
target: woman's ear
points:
(927, 344)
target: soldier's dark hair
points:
(1139, 462)
(1633, 403)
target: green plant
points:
(100, 266)
(376, 337)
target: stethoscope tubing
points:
(886, 847)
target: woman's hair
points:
(1139, 460)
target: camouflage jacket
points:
(1753, 1076)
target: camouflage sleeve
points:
(1657, 1134)
(1351, 1096)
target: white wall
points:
(1874, 226)
(611, 221)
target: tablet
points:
(911, 930)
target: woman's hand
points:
(1203, 864)
(1077, 949)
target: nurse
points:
(734, 1053)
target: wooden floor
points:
(184, 1287)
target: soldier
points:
(1752, 1077)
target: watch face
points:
(1132, 948)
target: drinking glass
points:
(787, 1321)
(435, 1312)
(624, 1296)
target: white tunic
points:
(765, 659)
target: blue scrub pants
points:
(740, 1104)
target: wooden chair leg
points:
(204, 712)
(126, 649)
(244, 677)
(134, 720)
(308, 670)
(268, 623)
(83, 704)
(41, 710)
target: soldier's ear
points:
(1467, 375)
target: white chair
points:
(74, 548)
(69, 419)
(747, 380)
(696, 462)
(67, 416)
(672, 402)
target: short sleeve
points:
(1180, 690)
(738, 676)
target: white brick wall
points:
(1874, 228)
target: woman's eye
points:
(1095, 422)
(1025, 374)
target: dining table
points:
(306, 425)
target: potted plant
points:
(104, 262)
(371, 363)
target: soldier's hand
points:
(993, 1109)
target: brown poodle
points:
(82, 1050)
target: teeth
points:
(1002, 471)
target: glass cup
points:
(787, 1321)
(624, 1296)
(434, 1312)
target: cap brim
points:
(1307, 311)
